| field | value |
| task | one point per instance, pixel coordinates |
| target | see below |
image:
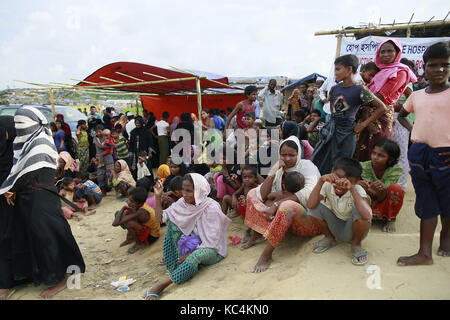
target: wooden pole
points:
(52, 101)
(143, 83)
(399, 26)
(338, 46)
(199, 105)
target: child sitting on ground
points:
(86, 189)
(341, 209)
(139, 220)
(238, 199)
(379, 179)
(108, 142)
(67, 191)
(142, 169)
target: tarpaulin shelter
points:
(172, 90)
(310, 78)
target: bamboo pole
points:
(52, 101)
(218, 82)
(154, 75)
(131, 77)
(199, 98)
(338, 45)
(399, 26)
(112, 80)
(144, 83)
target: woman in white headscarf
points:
(42, 244)
(195, 234)
(288, 214)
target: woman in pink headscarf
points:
(388, 85)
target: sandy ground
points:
(295, 273)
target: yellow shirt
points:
(152, 223)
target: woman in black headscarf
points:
(41, 246)
(291, 128)
(7, 135)
(140, 140)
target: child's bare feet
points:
(253, 240)
(136, 247)
(89, 212)
(247, 235)
(389, 226)
(262, 264)
(50, 292)
(417, 259)
(126, 242)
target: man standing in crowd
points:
(162, 128)
(272, 101)
(107, 116)
(130, 125)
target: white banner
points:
(412, 48)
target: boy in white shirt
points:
(341, 209)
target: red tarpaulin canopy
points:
(115, 75)
(178, 104)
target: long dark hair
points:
(392, 149)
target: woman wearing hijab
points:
(42, 244)
(289, 129)
(294, 103)
(121, 178)
(140, 140)
(388, 85)
(66, 166)
(195, 235)
(7, 135)
(289, 214)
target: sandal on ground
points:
(356, 260)
(323, 246)
(148, 294)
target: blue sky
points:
(44, 41)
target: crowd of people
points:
(331, 161)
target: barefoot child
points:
(67, 191)
(86, 189)
(341, 209)
(238, 199)
(429, 155)
(379, 179)
(139, 219)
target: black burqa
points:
(36, 242)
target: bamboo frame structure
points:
(398, 26)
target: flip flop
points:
(357, 256)
(10, 293)
(148, 294)
(324, 246)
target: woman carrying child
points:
(388, 85)
(286, 214)
(380, 178)
(195, 235)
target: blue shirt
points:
(60, 136)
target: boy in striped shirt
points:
(121, 146)
(86, 189)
